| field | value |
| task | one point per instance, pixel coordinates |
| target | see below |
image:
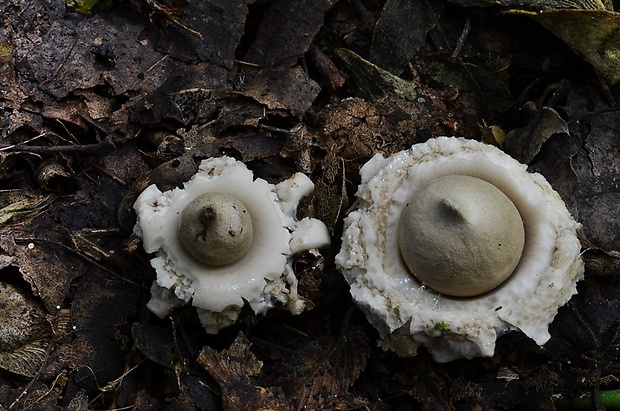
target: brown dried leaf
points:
(233, 370)
(6, 51)
(283, 88)
(330, 193)
(48, 267)
(189, 94)
(25, 333)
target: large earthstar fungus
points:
(453, 243)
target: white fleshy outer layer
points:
(408, 315)
(261, 277)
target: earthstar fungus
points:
(454, 243)
(224, 239)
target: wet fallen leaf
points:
(583, 165)
(203, 30)
(370, 81)
(593, 34)
(589, 334)
(401, 30)
(487, 88)
(524, 143)
(286, 32)
(155, 343)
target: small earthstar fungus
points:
(453, 243)
(224, 239)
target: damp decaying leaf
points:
(37, 262)
(370, 81)
(48, 248)
(234, 369)
(283, 89)
(286, 32)
(188, 95)
(40, 246)
(102, 306)
(63, 55)
(490, 91)
(201, 30)
(75, 64)
(401, 30)
(25, 332)
(155, 343)
(589, 325)
(582, 166)
(592, 34)
(525, 143)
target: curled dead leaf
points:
(525, 143)
(24, 209)
(233, 370)
(25, 333)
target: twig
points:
(173, 20)
(80, 255)
(461, 41)
(106, 146)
